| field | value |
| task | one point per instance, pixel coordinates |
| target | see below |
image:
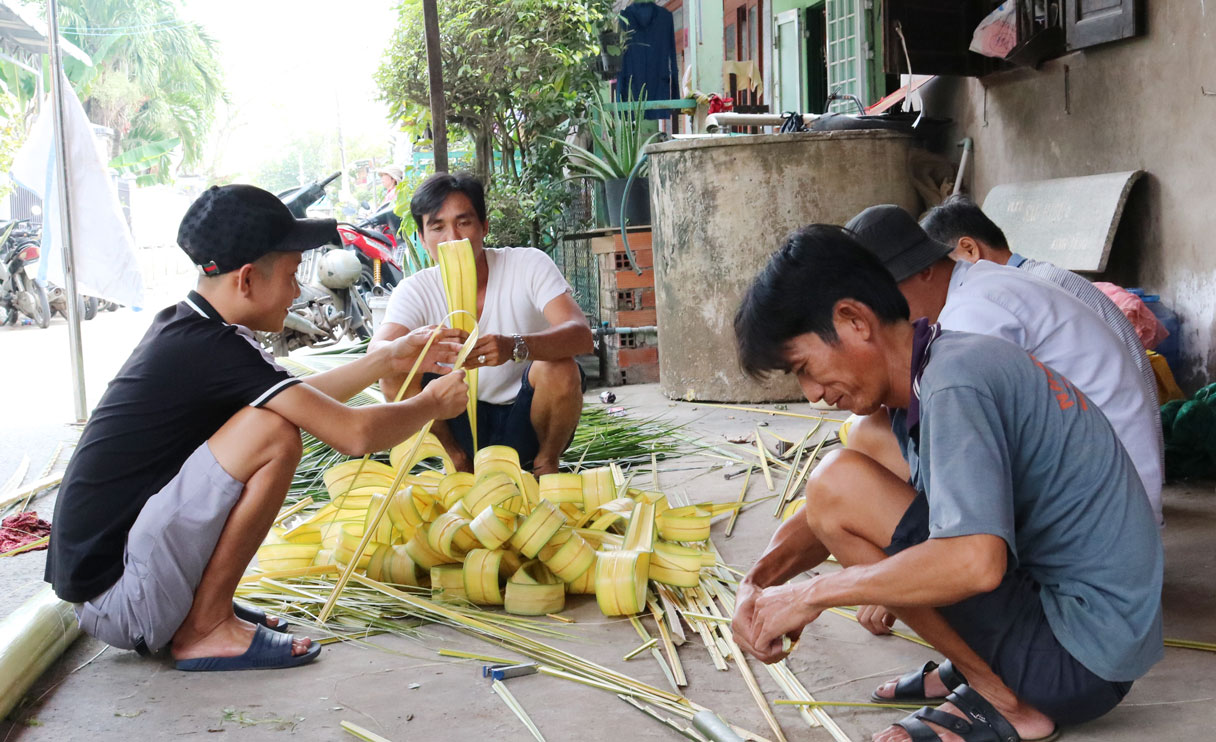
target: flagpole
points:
(65, 220)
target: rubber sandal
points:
(257, 616)
(983, 723)
(269, 650)
(910, 688)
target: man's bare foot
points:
(934, 687)
(230, 638)
(1030, 725)
(544, 466)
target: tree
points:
(155, 79)
(513, 71)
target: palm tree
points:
(155, 77)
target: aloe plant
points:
(618, 137)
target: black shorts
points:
(501, 424)
(1008, 629)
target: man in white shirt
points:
(1053, 325)
(960, 224)
(529, 386)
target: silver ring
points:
(481, 358)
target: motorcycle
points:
(371, 240)
(57, 298)
(20, 292)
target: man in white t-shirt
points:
(1054, 326)
(529, 386)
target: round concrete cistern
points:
(720, 207)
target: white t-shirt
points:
(522, 281)
(1062, 332)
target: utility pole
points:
(65, 216)
(434, 67)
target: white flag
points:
(106, 263)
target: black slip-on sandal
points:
(257, 616)
(983, 723)
(270, 650)
(910, 688)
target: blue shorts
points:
(501, 424)
(1008, 629)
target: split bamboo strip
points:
(458, 654)
(1190, 644)
(315, 570)
(501, 689)
(642, 648)
(673, 656)
(768, 475)
(18, 476)
(852, 704)
(288, 512)
(674, 627)
(902, 635)
(360, 733)
(32, 489)
(688, 732)
(781, 674)
(645, 636)
(784, 413)
(730, 524)
(31, 639)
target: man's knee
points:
(253, 438)
(871, 434)
(557, 378)
(829, 488)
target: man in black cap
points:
(186, 460)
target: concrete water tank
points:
(720, 206)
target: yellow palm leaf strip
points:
(459, 271)
(409, 462)
(599, 488)
(274, 557)
(447, 584)
(768, 475)
(453, 487)
(1190, 644)
(460, 654)
(568, 555)
(391, 563)
(534, 591)
(482, 584)
(689, 523)
(730, 524)
(431, 449)
(621, 576)
(901, 634)
(537, 529)
(450, 535)
(783, 413)
(493, 489)
(494, 526)
(642, 648)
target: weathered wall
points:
(720, 207)
(1136, 104)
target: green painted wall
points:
(705, 40)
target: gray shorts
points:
(167, 550)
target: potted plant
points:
(618, 160)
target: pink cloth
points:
(20, 529)
(1148, 328)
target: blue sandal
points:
(983, 723)
(910, 688)
(257, 616)
(269, 650)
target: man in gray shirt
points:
(1023, 548)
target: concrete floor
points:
(118, 695)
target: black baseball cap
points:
(229, 226)
(894, 237)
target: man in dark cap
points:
(184, 464)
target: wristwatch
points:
(520, 353)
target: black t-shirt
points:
(188, 376)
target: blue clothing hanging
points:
(649, 58)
